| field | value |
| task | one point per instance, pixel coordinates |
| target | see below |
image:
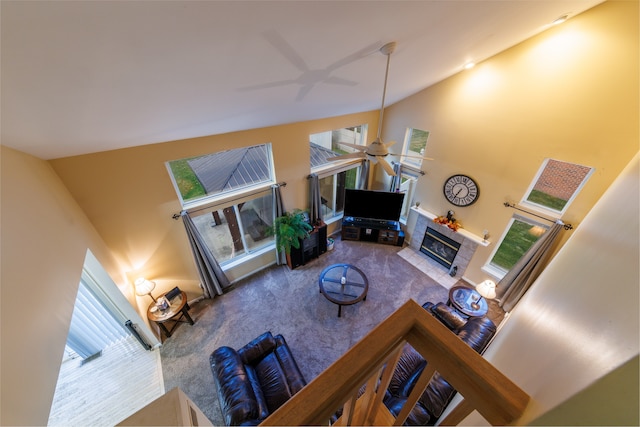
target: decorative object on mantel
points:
(448, 220)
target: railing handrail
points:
(483, 387)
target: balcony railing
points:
(371, 362)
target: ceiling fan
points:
(308, 77)
(377, 150)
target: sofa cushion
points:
(409, 367)
(273, 382)
(419, 416)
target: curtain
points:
(315, 202)
(278, 210)
(211, 275)
(522, 275)
(363, 179)
(396, 180)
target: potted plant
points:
(290, 229)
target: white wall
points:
(579, 321)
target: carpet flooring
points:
(288, 302)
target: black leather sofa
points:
(255, 380)
(475, 331)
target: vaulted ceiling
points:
(87, 76)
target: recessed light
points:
(560, 19)
(469, 65)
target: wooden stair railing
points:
(372, 362)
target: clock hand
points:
(456, 195)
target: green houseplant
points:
(290, 229)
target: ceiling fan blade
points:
(356, 155)
(339, 81)
(355, 146)
(266, 85)
(285, 49)
(355, 56)
(387, 167)
(303, 91)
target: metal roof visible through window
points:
(320, 154)
(232, 169)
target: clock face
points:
(461, 190)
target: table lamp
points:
(487, 289)
(144, 287)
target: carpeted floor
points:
(288, 302)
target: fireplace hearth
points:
(439, 247)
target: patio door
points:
(93, 327)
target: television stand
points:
(372, 230)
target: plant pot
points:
(330, 243)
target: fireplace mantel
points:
(417, 223)
(466, 234)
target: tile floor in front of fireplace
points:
(429, 267)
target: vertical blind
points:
(93, 328)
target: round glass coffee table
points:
(468, 301)
(343, 284)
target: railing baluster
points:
(485, 389)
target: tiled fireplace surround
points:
(468, 245)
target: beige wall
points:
(45, 237)
(570, 93)
(578, 325)
(129, 197)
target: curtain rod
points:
(514, 206)
(177, 215)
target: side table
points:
(177, 312)
(468, 301)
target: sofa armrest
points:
(236, 395)
(289, 366)
(257, 349)
(448, 316)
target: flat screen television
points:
(370, 204)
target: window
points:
(217, 175)
(335, 176)
(556, 185)
(330, 141)
(234, 231)
(553, 189)
(415, 143)
(232, 192)
(521, 234)
(408, 183)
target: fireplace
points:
(439, 247)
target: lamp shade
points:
(144, 286)
(487, 289)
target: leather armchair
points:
(255, 380)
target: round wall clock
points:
(461, 190)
